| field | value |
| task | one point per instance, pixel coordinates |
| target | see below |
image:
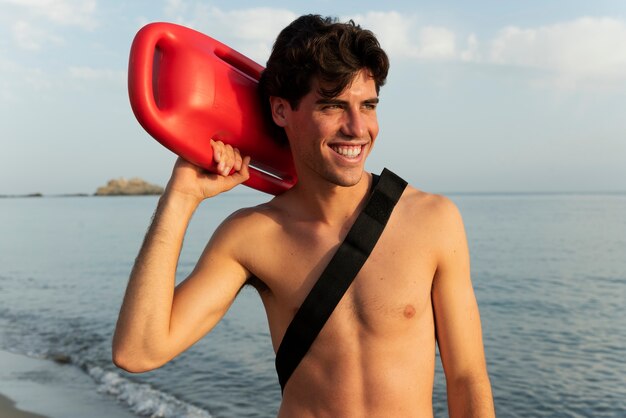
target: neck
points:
(328, 203)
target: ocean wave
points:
(142, 399)
(73, 342)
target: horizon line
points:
(242, 192)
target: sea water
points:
(549, 271)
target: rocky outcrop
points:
(132, 187)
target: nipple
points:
(409, 311)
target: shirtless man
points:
(375, 357)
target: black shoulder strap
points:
(338, 275)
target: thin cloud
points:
(586, 50)
(97, 74)
(34, 23)
(31, 37)
(253, 31)
(472, 51)
(79, 13)
(15, 79)
(402, 37)
(250, 31)
(580, 53)
(437, 43)
(394, 31)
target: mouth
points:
(351, 152)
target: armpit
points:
(257, 283)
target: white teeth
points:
(351, 151)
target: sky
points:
(482, 96)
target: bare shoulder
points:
(244, 235)
(431, 217)
(245, 224)
(434, 208)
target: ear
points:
(279, 107)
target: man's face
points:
(331, 138)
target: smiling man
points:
(374, 356)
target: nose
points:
(354, 125)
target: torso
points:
(375, 356)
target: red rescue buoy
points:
(186, 88)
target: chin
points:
(345, 179)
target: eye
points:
(331, 107)
(370, 105)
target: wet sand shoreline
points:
(38, 388)
(8, 409)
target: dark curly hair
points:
(319, 47)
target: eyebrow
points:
(324, 101)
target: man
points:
(375, 356)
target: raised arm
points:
(157, 321)
(459, 333)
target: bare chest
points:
(390, 293)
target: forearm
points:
(140, 340)
(470, 398)
(143, 336)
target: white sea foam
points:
(142, 399)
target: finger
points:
(238, 160)
(243, 173)
(217, 147)
(245, 169)
(221, 158)
(229, 160)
